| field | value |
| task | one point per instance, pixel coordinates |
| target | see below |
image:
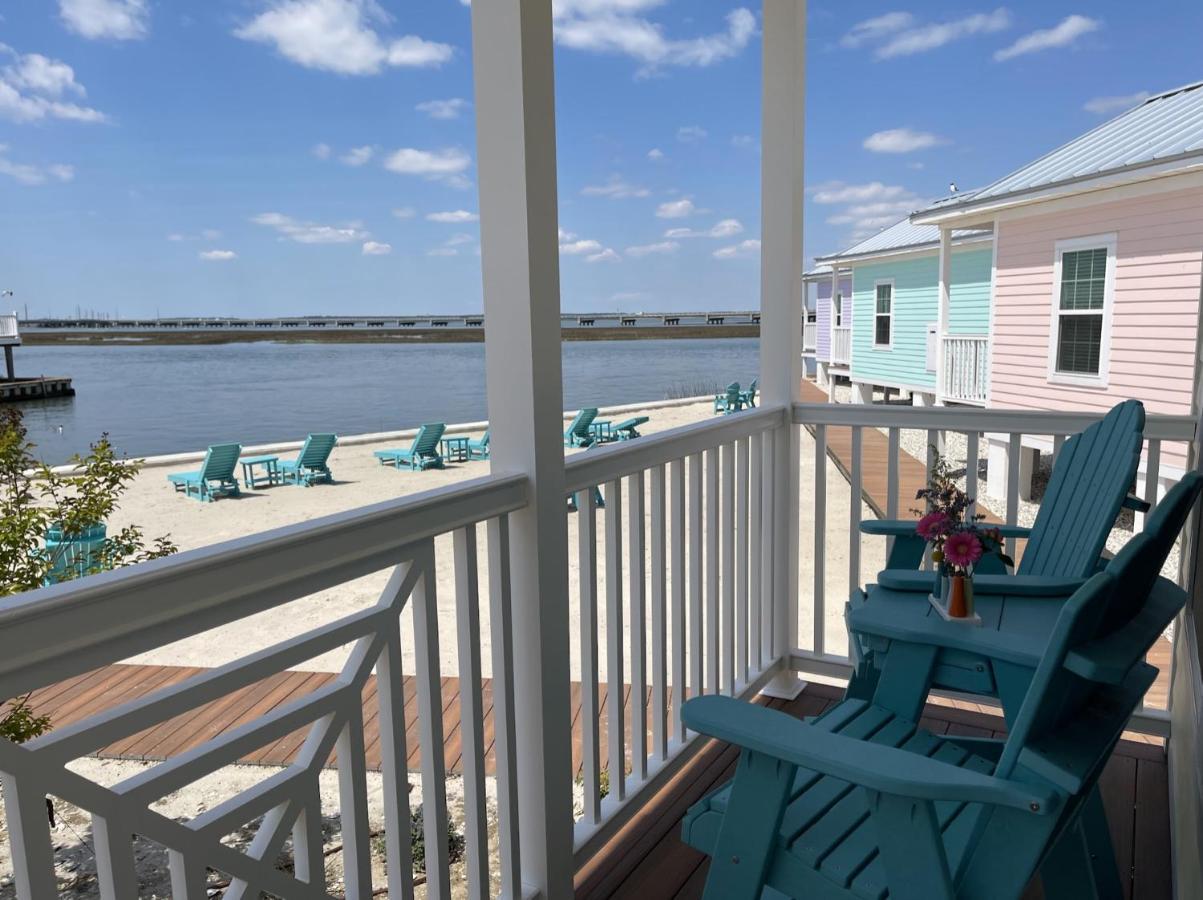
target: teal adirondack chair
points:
(1089, 485)
(311, 464)
(423, 453)
(730, 401)
(578, 434)
(748, 397)
(863, 802)
(478, 448)
(629, 429)
(215, 478)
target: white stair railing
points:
(841, 345)
(966, 369)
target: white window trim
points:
(873, 334)
(1091, 242)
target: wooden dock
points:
(43, 387)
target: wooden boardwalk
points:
(648, 860)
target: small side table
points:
(270, 466)
(602, 432)
(455, 449)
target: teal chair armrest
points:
(888, 527)
(873, 766)
(1026, 585)
(1135, 503)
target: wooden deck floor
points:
(647, 859)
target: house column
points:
(945, 279)
(516, 165)
(782, 132)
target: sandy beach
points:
(360, 480)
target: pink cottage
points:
(1098, 273)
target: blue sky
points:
(249, 157)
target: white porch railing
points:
(841, 345)
(9, 331)
(966, 368)
(674, 598)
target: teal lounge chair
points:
(748, 397)
(423, 453)
(578, 433)
(864, 802)
(628, 430)
(310, 466)
(731, 401)
(478, 448)
(215, 478)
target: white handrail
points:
(966, 368)
(841, 344)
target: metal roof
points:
(903, 236)
(1162, 129)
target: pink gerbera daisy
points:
(962, 549)
(932, 525)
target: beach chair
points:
(422, 454)
(578, 433)
(748, 397)
(1089, 485)
(215, 478)
(478, 448)
(863, 802)
(311, 466)
(730, 401)
(628, 430)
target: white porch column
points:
(516, 164)
(942, 308)
(782, 127)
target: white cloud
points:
(743, 250)
(33, 88)
(1103, 106)
(895, 37)
(902, 140)
(205, 234)
(311, 232)
(840, 192)
(722, 229)
(676, 209)
(442, 251)
(436, 165)
(359, 156)
(593, 251)
(606, 255)
(743, 141)
(1063, 34)
(339, 36)
(690, 134)
(372, 248)
(580, 247)
(453, 216)
(217, 255)
(457, 240)
(649, 249)
(31, 175)
(121, 20)
(405, 212)
(614, 27)
(869, 215)
(616, 188)
(443, 109)
(655, 154)
(321, 151)
(877, 28)
(210, 234)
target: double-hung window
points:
(837, 309)
(883, 313)
(1083, 284)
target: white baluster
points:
(820, 561)
(589, 717)
(659, 575)
(727, 579)
(638, 573)
(676, 472)
(616, 757)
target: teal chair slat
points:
(863, 803)
(578, 433)
(215, 478)
(748, 397)
(423, 453)
(731, 400)
(312, 463)
(478, 448)
(628, 429)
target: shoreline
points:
(107, 338)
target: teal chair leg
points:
(1081, 866)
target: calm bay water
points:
(169, 399)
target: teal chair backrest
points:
(484, 439)
(1092, 476)
(220, 461)
(426, 441)
(317, 450)
(1090, 680)
(582, 421)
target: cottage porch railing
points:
(9, 329)
(841, 344)
(675, 599)
(966, 369)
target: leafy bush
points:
(456, 843)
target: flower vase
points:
(957, 603)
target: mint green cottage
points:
(901, 338)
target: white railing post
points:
(516, 164)
(782, 193)
(945, 277)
